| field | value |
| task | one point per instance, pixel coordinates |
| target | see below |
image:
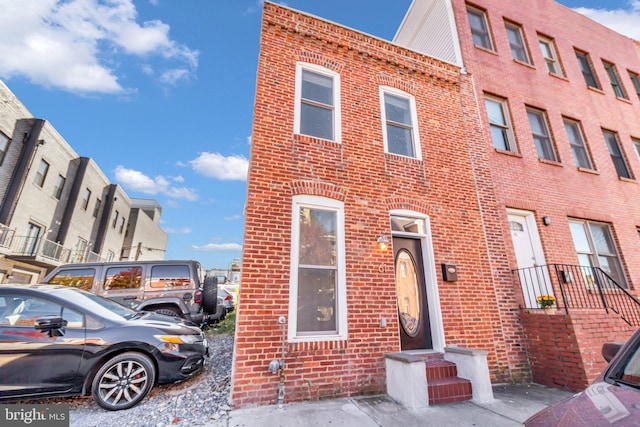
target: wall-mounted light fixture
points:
(383, 242)
(546, 220)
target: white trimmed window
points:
(500, 124)
(541, 135)
(399, 119)
(479, 28)
(317, 102)
(576, 141)
(516, 42)
(547, 46)
(617, 157)
(317, 305)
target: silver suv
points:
(173, 288)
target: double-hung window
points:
(547, 46)
(85, 199)
(540, 133)
(479, 28)
(516, 42)
(400, 130)
(587, 71)
(501, 131)
(41, 173)
(317, 306)
(4, 146)
(615, 81)
(578, 147)
(611, 138)
(317, 108)
(595, 248)
(636, 145)
(57, 190)
(635, 79)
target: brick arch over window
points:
(316, 188)
(408, 204)
(319, 59)
(395, 82)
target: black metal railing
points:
(576, 286)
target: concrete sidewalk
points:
(512, 405)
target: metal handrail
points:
(576, 286)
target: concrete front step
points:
(440, 368)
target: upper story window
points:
(41, 174)
(615, 81)
(4, 146)
(317, 306)
(587, 70)
(121, 229)
(578, 147)
(479, 28)
(500, 124)
(541, 135)
(636, 144)
(114, 219)
(85, 199)
(635, 79)
(400, 130)
(611, 138)
(57, 190)
(317, 109)
(516, 42)
(96, 207)
(547, 46)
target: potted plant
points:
(547, 303)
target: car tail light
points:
(228, 297)
(198, 297)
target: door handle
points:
(128, 298)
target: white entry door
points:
(533, 273)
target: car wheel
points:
(210, 295)
(168, 311)
(123, 381)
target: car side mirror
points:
(54, 325)
(610, 349)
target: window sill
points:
(596, 90)
(558, 76)
(400, 157)
(526, 64)
(629, 180)
(484, 49)
(298, 137)
(591, 171)
(508, 152)
(625, 100)
(551, 162)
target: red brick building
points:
(559, 98)
(392, 195)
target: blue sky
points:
(160, 94)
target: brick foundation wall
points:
(565, 350)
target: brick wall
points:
(565, 350)
(478, 311)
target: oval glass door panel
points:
(408, 293)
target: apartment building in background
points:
(56, 206)
(413, 199)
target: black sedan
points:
(56, 340)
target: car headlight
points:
(178, 339)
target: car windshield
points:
(629, 373)
(98, 305)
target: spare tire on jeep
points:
(210, 294)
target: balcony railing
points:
(6, 236)
(30, 246)
(575, 287)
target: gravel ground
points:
(199, 401)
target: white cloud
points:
(232, 218)
(217, 247)
(624, 21)
(63, 43)
(215, 165)
(183, 230)
(134, 180)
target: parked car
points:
(57, 340)
(227, 298)
(614, 398)
(170, 287)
